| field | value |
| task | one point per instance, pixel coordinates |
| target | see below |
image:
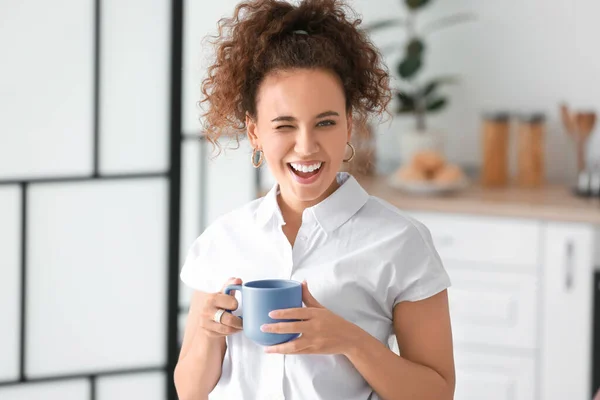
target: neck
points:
(292, 208)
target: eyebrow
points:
(291, 119)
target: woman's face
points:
(302, 128)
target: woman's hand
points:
(210, 303)
(323, 332)
(198, 368)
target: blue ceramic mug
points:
(260, 298)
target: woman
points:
(295, 80)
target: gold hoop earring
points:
(255, 163)
(353, 152)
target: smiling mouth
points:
(305, 172)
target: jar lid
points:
(497, 116)
(532, 118)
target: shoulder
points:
(208, 257)
(382, 217)
(399, 233)
(418, 269)
(240, 220)
(242, 217)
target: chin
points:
(307, 195)
(313, 192)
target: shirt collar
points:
(268, 207)
(330, 214)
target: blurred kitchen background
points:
(105, 182)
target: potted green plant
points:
(418, 97)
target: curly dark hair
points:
(263, 36)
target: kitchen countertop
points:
(549, 202)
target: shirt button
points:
(301, 237)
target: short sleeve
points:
(196, 272)
(420, 271)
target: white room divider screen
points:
(90, 157)
(105, 181)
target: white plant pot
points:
(414, 141)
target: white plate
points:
(427, 188)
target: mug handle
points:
(228, 290)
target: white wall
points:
(519, 55)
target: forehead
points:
(302, 93)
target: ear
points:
(349, 124)
(251, 130)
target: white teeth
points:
(306, 168)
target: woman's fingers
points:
(226, 317)
(229, 323)
(285, 327)
(231, 281)
(216, 329)
(231, 320)
(224, 301)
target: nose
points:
(306, 143)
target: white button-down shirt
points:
(360, 257)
